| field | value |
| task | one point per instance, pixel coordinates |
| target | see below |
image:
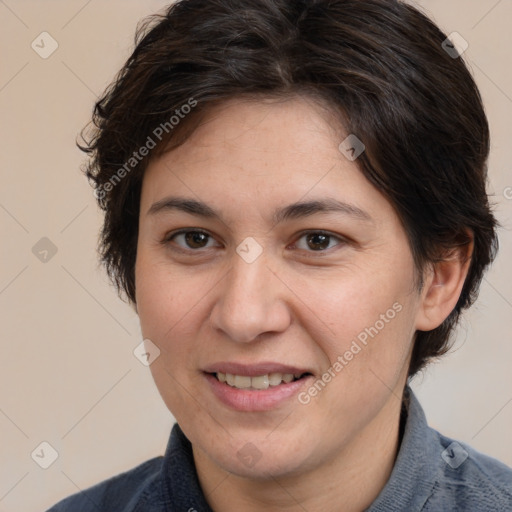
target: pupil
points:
(318, 241)
(196, 239)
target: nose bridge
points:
(249, 301)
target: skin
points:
(293, 305)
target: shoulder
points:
(123, 492)
(469, 480)
(433, 472)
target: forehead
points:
(262, 128)
(255, 153)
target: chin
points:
(268, 467)
(261, 460)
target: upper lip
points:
(254, 370)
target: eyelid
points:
(341, 239)
(172, 234)
(169, 237)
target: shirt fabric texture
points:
(432, 473)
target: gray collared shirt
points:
(431, 474)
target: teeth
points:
(242, 382)
(275, 379)
(259, 382)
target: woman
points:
(295, 205)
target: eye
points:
(317, 241)
(191, 239)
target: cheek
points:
(165, 300)
(167, 308)
(370, 325)
(355, 306)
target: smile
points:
(258, 382)
(257, 387)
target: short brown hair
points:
(380, 63)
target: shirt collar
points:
(417, 465)
(411, 482)
(180, 484)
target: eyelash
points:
(171, 236)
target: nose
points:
(250, 302)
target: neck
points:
(349, 482)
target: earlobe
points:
(443, 286)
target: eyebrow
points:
(292, 211)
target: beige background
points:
(68, 375)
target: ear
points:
(442, 286)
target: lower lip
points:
(251, 400)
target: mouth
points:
(256, 387)
(258, 382)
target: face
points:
(264, 255)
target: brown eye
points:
(191, 239)
(318, 241)
(196, 239)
